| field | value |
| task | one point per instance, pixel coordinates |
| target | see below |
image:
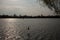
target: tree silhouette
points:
(53, 4)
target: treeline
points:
(25, 16)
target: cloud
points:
(24, 7)
(18, 2)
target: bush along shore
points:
(25, 16)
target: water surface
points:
(40, 29)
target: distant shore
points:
(25, 16)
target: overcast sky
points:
(24, 7)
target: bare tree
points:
(53, 4)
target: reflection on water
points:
(40, 29)
(9, 31)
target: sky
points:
(24, 7)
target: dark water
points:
(39, 29)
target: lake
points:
(30, 29)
